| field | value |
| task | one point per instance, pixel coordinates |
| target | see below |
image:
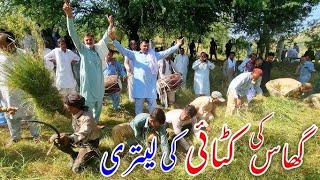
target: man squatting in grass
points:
(85, 135)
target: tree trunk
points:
(280, 46)
(133, 34)
(267, 45)
(261, 47)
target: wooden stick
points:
(49, 151)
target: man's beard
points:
(88, 45)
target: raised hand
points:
(180, 42)
(67, 8)
(12, 110)
(110, 19)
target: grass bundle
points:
(26, 71)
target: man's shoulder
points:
(201, 99)
(309, 63)
(87, 116)
(243, 75)
(174, 111)
(285, 80)
(173, 115)
(141, 116)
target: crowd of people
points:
(143, 67)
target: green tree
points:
(146, 17)
(314, 36)
(266, 19)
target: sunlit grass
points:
(28, 160)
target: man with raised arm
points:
(145, 70)
(92, 56)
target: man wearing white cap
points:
(206, 105)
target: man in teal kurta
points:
(91, 76)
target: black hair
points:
(254, 54)
(75, 100)
(61, 40)
(270, 54)
(190, 110)
(232, 52)
(89, 34)
(205, 54)
(112, 51)
(145, 41)
(158, 115)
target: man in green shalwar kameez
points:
(91, 76)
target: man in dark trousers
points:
(228, 48)
(192, 47)
(213, 48)
(266, 68)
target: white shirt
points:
(167, 70)
(240, 85)
(48, 64)
(3, 60)
(181, 62)
(173, 118)
(12, 98)
(201, 83)
(128, 65)
(64, 75)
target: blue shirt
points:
(306, 71)
(144, 82)
(140, 126)
(240, 85)
(114, 68)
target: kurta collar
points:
(146, 125)
(76, 116)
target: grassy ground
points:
(28, 160)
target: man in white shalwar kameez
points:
(64, 58)
(202, 68)
(167, 67)
(129, 68)
(229, 69)
(181, 62)
(13, 97)
(145, 71)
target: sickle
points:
(49, 125)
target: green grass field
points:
(26, 160)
